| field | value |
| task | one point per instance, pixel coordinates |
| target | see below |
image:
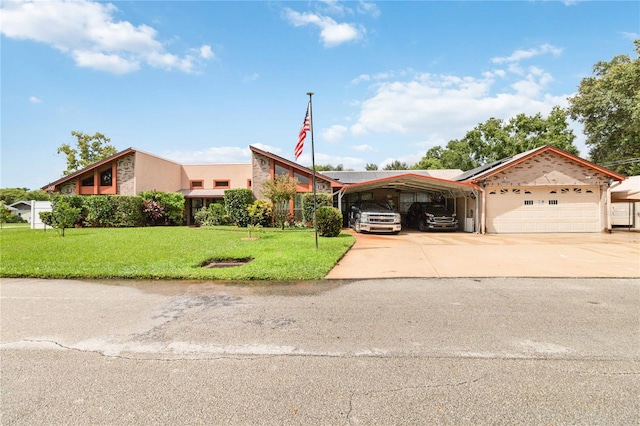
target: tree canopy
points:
(11, 195)
(89, 149)
(496, 139)
(396, 165)
(608, 105)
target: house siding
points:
(125, 173)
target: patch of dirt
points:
(225, 263)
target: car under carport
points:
(401, 189)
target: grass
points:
(168, 253)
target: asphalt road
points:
(400, 351)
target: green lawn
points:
(168, 253)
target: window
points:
(249, 183)
(196, 184)
(553, 202)
(302, 179)
(221, 184)
(279, 170)
(87, 182)
(106, 178)
(528, 202)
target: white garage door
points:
(547, 209)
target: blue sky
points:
(199, 82)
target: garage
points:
(547, 209)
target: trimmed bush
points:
(127, 211)
(260, 213)
(307, 204)
(214, 214)
(329, 221)
(236, 202)
(75, 201)
(99, 211)
(163, 208)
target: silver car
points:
(372, 216)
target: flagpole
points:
(313, 167)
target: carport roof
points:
(411, 182)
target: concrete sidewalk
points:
(415, 254)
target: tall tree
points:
(371, 167)
(396, 165)
(496, 139)
(608, 105)
(89, 149)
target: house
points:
(132, 171)
(22, 209)
(542, 190)
(625, 204)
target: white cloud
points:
(368, 8)
(630, 36)
(334, 133)
(35, 100)
(223, 154)
(520, 55)
(362, 148)
(436, 108)
(89, 33)
(332, 33)
(253, 77)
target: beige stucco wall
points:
(156, 173)
(238, 175)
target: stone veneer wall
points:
(262, 172)
(68, 188)
(548, 169)
(126, 176)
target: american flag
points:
(306, 125)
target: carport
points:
(464, 196)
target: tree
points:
(496, 139)
(608, 105)
(371, 167)
(90, 149)
(280, 190)
(396, 165)
(329, 168)
(64, 215)
(4, 213)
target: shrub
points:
(46, 218)
(65, 215)
(163, 208)
(127, 211)
(74, 201)
(214, 214)
(260, 213)
(307, 204)
(99, 211)
(236, 202)
(329, 221)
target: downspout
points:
(610, 186)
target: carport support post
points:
(313, 167)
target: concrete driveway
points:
(416, 254)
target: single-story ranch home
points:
(542, 190)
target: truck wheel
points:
(356, 226)
(422, 226)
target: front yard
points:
(169, 253)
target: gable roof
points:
(488, 170)
(411, 182)
(89, 168)
(295, 166)
(350, 177)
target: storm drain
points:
(225, 263)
